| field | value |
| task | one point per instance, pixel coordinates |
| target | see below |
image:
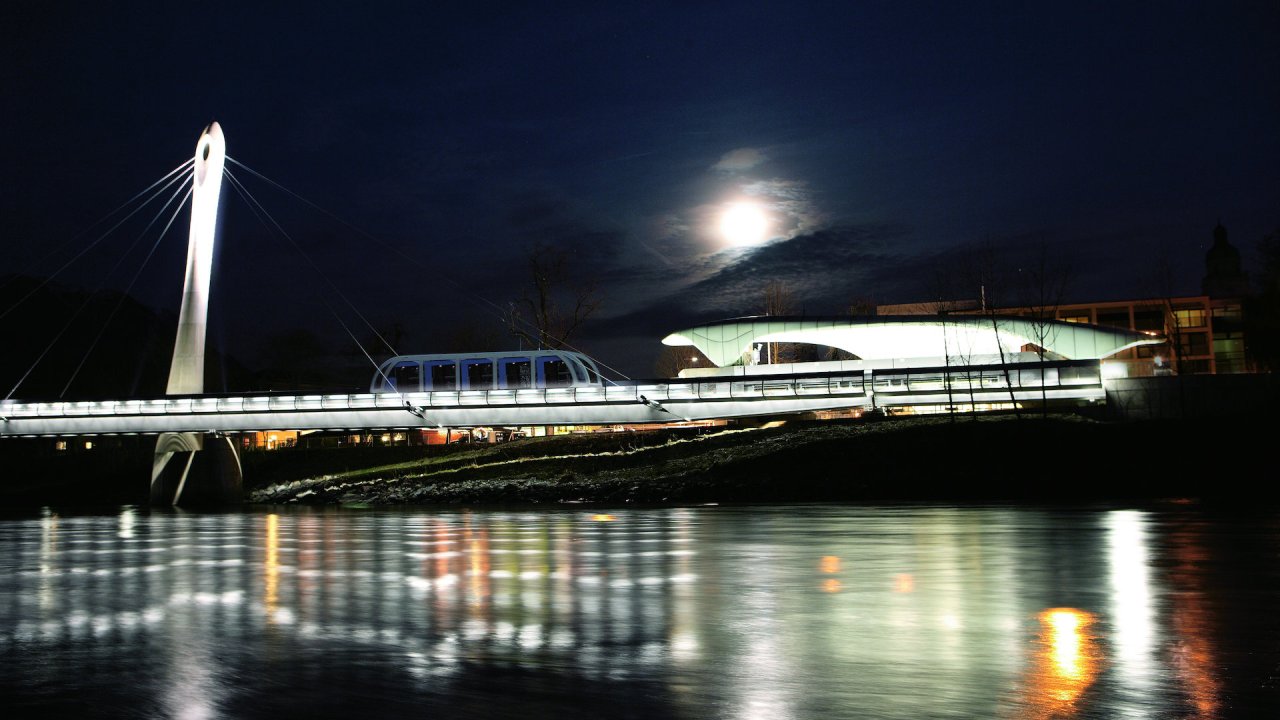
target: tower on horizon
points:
(1223, 276)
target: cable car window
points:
(406, 376)
(443, 374)
(478, 374)
(554, 372)
(517, 372)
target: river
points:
(814, 611)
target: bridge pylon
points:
(197, 468)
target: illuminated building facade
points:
(915, 363)
(1202, 335)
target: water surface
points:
(779, 612)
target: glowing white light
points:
(744, 224)
(1114, 370)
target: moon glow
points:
(744, 224)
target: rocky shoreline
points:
(1061, 458)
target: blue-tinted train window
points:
(404, 377)
(442, 374)
(554, 372)
(477, 374)
(517, 373)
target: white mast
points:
(186, 373)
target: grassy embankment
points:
(994, 458)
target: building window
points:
(1226, 312)
(1114, 318)
(1228, 353)
(1196, 343)
(1196, 367)
(1076, 318)
(1189, 317)
(1148, 319)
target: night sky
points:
(881, 141)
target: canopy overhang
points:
(882, 337)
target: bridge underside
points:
(195, 469)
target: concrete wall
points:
(1192, 396)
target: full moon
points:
(744, 224)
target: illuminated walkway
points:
(653, 402)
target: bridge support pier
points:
(196, 470)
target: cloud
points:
(789, 202)
(825, 270)
(740, 160)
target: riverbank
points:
(1062, 458)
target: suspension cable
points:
(89, 297)
(250, 198)
(239, 188)
(91, 245)
(96, 223)
(497, 309)
(102, 328)
(386, 381)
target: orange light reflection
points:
(829, 564)
(904, 583)
(601, 517)
(1066, 662)
(271, 566)
(1194, 656)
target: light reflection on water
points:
(790, 612)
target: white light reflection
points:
(579, 588)
(128, 517)
(1132, 614)
(48, 558)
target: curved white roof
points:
(884, 337)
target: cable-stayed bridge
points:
(195, 460)
(192, 426)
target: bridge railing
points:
(674, 391)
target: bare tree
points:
(1044, 284)
(778, 301)
(985, 271)
(1163, 282)
(674, 359)
(1163, 278)
(941, 286)
(557, 302)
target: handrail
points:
(757, 386)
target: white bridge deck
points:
(645, 402)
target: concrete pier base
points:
(196, 470)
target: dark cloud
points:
(824, 270)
